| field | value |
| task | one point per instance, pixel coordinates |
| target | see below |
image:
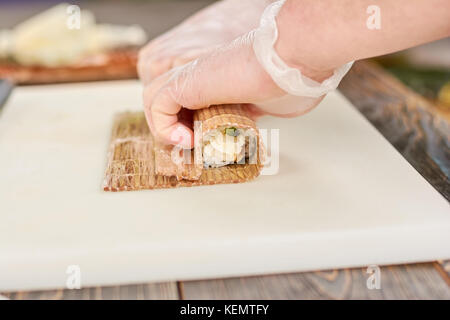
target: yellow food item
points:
(444, 95)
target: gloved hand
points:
(229, 74)
(246, 70)
(205, 31)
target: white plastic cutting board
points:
(343, 197)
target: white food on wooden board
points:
(343, 197)
(64, 35)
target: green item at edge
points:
(232, 131)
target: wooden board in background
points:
(414, 126)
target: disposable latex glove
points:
(200, 34)
(229, 74)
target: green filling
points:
(232, 132)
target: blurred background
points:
(425, 69)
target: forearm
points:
(320, 35)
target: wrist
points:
(297, 20)
(308, 78)
(310, 68)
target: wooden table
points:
(418, 130)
